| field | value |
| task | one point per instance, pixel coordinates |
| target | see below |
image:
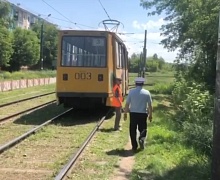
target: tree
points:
(155, 57)
(192, 27)
(134, 63)
(5, 40)
(26, 49)
(4, 13)
(161, 63)
(50, 42)
(5, 46)
(152, 63)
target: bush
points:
(163, 88)
(195, 114)
(4, 75)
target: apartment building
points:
(23, 18)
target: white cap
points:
(139, 80)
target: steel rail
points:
(27, 134)
(33, 97)
(16, 114)
(74, 158)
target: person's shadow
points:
(122, 152)
(107, 130)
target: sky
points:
(89, 14)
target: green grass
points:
(103, 154)
(155, 82)
(166, 156)
(50, 148)
(9, 96)
(5, 75)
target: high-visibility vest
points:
(117, 95)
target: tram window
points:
(84, 51)
(117, 55)
(66, 53)
(122, 57)
(119, 52)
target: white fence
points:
(25, 83)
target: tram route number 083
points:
(83, 76)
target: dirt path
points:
(125, 164)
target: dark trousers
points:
(137, 120)
(117, 117)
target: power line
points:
(66, 17)
(58, 12)
(104, 9)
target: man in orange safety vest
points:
(117, 102)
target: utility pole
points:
(216, 124)
(139, 65)
(144, 55)
(41, 45)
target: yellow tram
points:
(87, 65)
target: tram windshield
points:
(83, 51)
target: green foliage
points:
(22, 49)
(26, 49)
(4, 75)
(161, 88)
(194, 113)
(5, 46)
(167, 156)
(4, 14)
(153, 64)
(50, 42)
(134, 63)
(192, 26)
(5, 40)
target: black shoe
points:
(118, 129)
(134, 149)
(141, 143)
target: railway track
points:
(27, 134)
(27, 110)
(26, 99)
(15, 108)
(72, 161)
(74, 153)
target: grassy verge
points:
(42, 155)
(102, 156)
(9, 96)
(166, 156)
(5, 75)
(107, 148)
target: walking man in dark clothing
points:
(139, 106)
